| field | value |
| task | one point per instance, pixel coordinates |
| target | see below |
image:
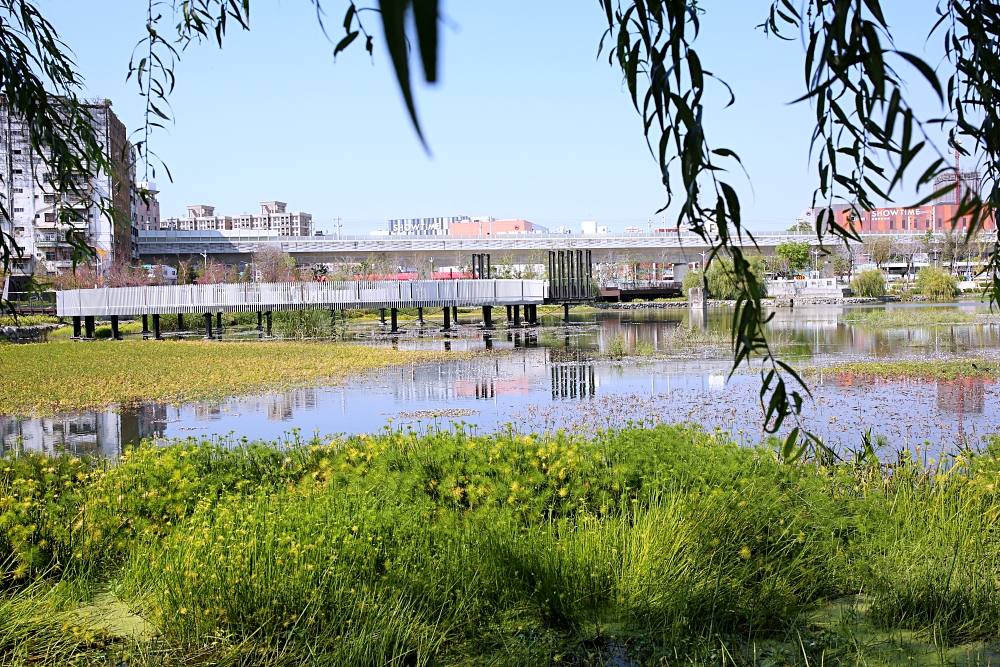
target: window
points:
(49, 199)
(17, 190)
(50, 256)
(939, 223)
(18, 171)
(892, 223)
(50, 217)
(18, 210)
(16, 152)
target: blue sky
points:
(525, 121)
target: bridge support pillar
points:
(393, 316)
(156, 328)
(114, 328)
(218, 325)
(76, 326)
(420, 316)
(180, 322)
(260, 324)
(447, 318)
(267, 318)
(381, 315)
(531, 314)
(454, 314)
(565, 313)
(88, 326)
(510, 316)
(208, 326)
(517, 315)
(145, 326)
(487, 317)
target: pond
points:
(559, 376)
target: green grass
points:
(913, 317)
(56, 376)
(663, 546)
(932, 369)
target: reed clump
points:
(666, 545)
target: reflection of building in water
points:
(95, 433)
(472, 379)
(572, 380)
(277, 407)
(964, 396)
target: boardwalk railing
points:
(332, 295)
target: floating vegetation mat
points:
(56, 377)
(446, 413)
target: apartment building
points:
(105, 212)
(273, 217)
(148, 211)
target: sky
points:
(525, 121)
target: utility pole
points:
(338, 227)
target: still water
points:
(555, 376)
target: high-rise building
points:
(148, 211)
(105, 213)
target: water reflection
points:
(556, 377)
(573, 381)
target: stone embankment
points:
(801, 301)
(36, 333)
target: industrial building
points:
(41, 217)
(273, 217)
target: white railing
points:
(332, 295)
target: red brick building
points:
(937, 218)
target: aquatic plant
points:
(434, 547)
(912, 317)
(59, 376)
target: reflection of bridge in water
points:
(573, 381)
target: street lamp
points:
(432, 267)
(815, 254)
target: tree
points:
(907, 249)
(795, 253)
(879, 248)
(274, 266)
(869, 284)
(722, 280)
(936, 284)
(867, 136)
(801, 226)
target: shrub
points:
(936, 284)
(691, 279)
(722, 277)
(870, 284)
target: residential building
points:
(105, 212)
(273, 217)
(148, 210)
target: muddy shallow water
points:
(557, 376)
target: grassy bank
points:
(660, 546)
(63, 375)
(931, 369)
